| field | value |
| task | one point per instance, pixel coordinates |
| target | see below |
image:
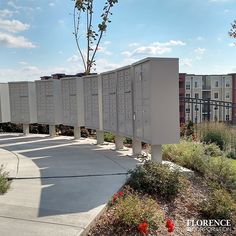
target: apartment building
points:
(213, 87)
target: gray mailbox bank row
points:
(138, 101)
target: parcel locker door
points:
(88, 102)
(25, 116)
(139, 122)
(95, 112)
(106, 105)
(66, 100)
(121, 113)
(127, 80)
(146, 120)
(73, 109)
(128, 114)
(113, 112)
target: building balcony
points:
(206, 87)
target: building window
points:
(187, 85)
(197, 95)
(187, 110)
(195, 85)
(216, 95)
(188, 95)
(216, 84)
(227, 117)
(227, 95)
(227, 85)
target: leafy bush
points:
(221, 171)
(109, 137)
(155, 178)
(220, 205)
(212, 150)
(187, 130)
(206, 159)
(135, 209)
(231, 155)
(213, 137)
(4, 183)
(217, 133)
(188, 154)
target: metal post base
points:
(52, 130)
(119, 142)
(156, 153)
(136, 147)
(77, 133)
(100, 137)
(26, 129)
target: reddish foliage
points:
(143, 228)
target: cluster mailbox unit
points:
(117, 103)
(73, 103)
(139, 101)
(49, 105)
(5, 115)
(93, 105)
(156, 103)
(23, 104)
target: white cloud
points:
(186, 62)
(103, 50)
(12, 41)
(134, 44)
(107, 43)
(6, 13)
(51, 4)
(18, 7)
(61, 22)
(200, 38)
(13, 25)
(154, 49)
(232, 44)
(73, 58)
(23, 63)
(32, 72)
(200, 51)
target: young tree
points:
(84, 10)
(232, 32)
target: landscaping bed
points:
(4, 182)
(209, 194)
(181, 209)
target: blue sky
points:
(36, 36)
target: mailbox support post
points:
(77, 133)
(156, 154)
(52, 130)
(136, 146)
(119, 142)
(26, 129)
(100, 137)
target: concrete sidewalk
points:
(61, 184)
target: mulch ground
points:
(183, 208)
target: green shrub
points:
(4, 183)
(213, 137)
(231, 155)
(157, 179)
(217, 133)
(212, 150)
(188, 154)
(221, 171)
(220, 205)
(134, 209)
(109, 137)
